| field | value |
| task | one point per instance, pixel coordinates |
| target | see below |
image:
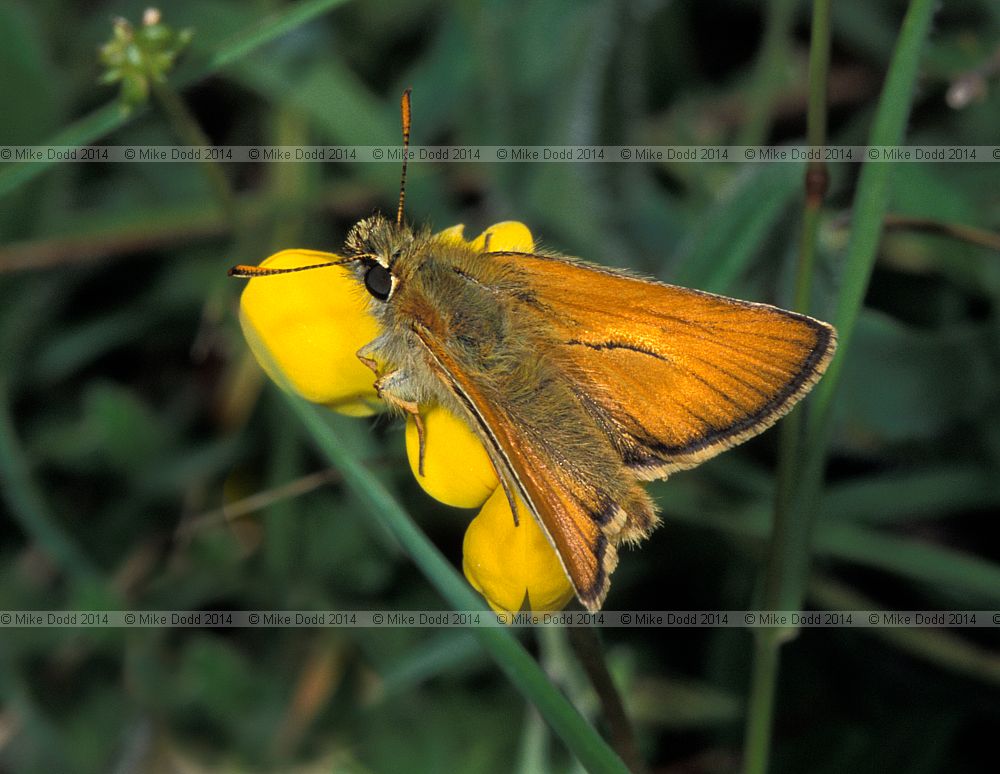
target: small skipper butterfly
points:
(580, 381)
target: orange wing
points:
(582, 519)
(674, 376)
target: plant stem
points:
(590, 654)
(871, 201)
(760, 706)
(171, 224)
(189, 131)
(785, 584)
(969, 234)
(106, 119)
(791, 530)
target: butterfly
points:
(581, 381)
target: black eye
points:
(378, 281)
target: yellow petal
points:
(457, 470)
(455, 233)
(510, 235)
(305, 328)
(513, 567)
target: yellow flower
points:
(509, 235)
(513, 567)
(457, 470)
(305, 332)
(309, 328)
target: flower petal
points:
(510, 235)
(513, 567)
(455, 233)
(305, 333)
(457, 470)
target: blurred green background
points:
(130, 411)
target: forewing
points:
(674, 376)
(582, 521)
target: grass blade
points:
(582, 740)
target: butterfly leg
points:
(365, 355)
(393, 389)
(396, 389)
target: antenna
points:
(404, 106)
(247, 272)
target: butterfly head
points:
(378, 249)
(378, 252)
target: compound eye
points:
(378, 281)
